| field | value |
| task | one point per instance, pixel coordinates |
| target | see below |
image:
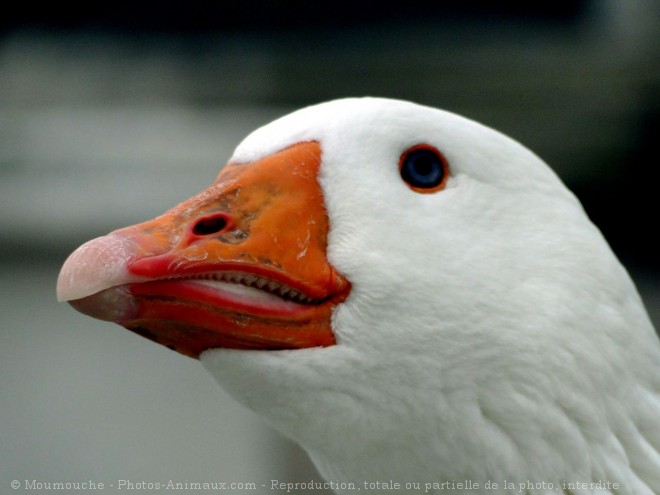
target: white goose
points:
(411, 296)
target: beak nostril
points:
(208, 226)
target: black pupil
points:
(422, 169)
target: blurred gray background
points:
(111, 114)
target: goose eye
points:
(423, 168)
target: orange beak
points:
(241, 265)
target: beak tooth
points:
(273, 286)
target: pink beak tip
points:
(96, 265)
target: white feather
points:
(490, 333)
